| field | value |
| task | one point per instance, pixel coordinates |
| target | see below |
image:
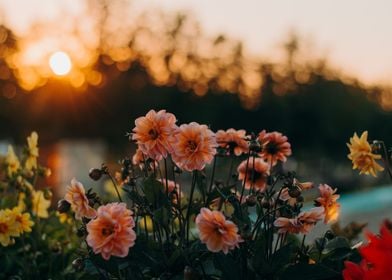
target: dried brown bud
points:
(63, 206)
(95, 174)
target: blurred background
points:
(80, 72)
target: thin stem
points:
(212, 175)
(167, 184)
(101, 275)
(280, 235)
(115, 186)
(252, 186)
(230, 170)
(188, 213)
(386, 161)
(260, 219)
(244, 182)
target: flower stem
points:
(115, 186)
(188, 213)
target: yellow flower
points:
(33, 152)
(40, 204)
(64, 218)
(8, 227)
(12, 161)
(146, 223)
(361, 155)
(23, 221)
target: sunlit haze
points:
(354, 35)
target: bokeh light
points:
(60, 63)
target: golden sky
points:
(355, 35)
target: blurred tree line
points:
(208, 80)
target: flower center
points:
(106, 231)
(231, 146)
(192, 145)
(254, 176)
(153, 133)
(219, 229)
(271, 148)
(19, 219)
(3, 228)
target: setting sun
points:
(60, 63)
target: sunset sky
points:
(356, 35)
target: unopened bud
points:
(95, 174)
(251, 200)
(63, 206)
(294, 191)
(78, 264)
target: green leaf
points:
(162, 216)
(309, 272)
(153, 190)
(228, 266)
(336, 243)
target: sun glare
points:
(60, 63)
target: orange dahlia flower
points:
(76, 196)
(328, 200)
(274, 147)
(361, 155)
(216, 232)
(154, 133)
(233, 141)
(111, 232)
(255, 176)
(195, 146)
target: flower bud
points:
(251, 200)
(78, 264)
(255, 146)
(267, 203)
(81, 232)
(95, 174)
(329, 235)
(63, 206)
(294, 191)
(189, 273)
(177, 169)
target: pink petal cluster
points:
(76, 196)
(303, 223)
(233, 140)
(111, 232)
(255, 172)
(154, 133)
(328, 200)
(195, 146)
(275, 147)
(216, 232)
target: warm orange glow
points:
(60, 63)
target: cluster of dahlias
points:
(111, 229)
(17, 178)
